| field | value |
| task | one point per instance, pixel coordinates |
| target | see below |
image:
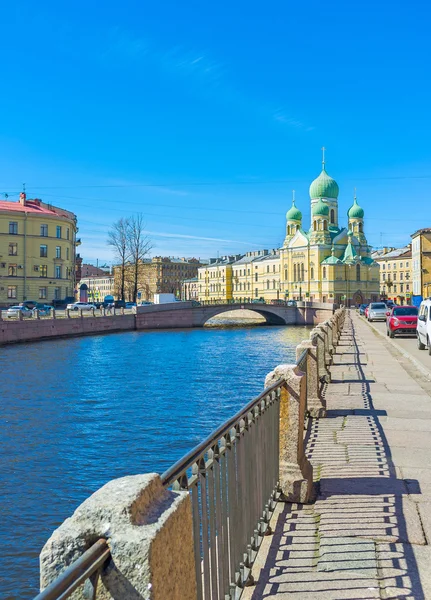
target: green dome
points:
(320, 209)
(324, 187)
(294, 214)
(355, 211)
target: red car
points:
(402, 319)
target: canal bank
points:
(109, 406)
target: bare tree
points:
(118, 238)
(139, 247)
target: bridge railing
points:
(231, 482)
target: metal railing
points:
(232, 477)
(86, 570)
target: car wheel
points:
(420, 345)
(75, 308)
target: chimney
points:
(22, 198)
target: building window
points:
(58, 252)
(13, 249)
(43, 271)
(384, 276)
(11, 291)
(57, 293)
(267, 284)
(407, 265)
(256, 276)
(67, 253)
(384, 266)
(294, 272)
(401, 276)
(43, 251)
(267, 268)
(59, 231)
(324, 273)
(395, 265)
(401, 287)
(395, 287)
(358, 272)
(273, 284)
(13, 227)
(42, 293)
(256, 292)
(332, 215)
(273, 268)
(401, 265)
(67, 236)
(302, 272)
(12, 271)
(44, 230)
(285, 274)
(394, 275)
(312, 273)
(408, 287)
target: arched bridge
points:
(188, 314)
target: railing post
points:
(149, 532)
(296, 472)
(316, 406)
(54, 316)
(318, 335)
(324, 331)
(67, 313)
(36, 313)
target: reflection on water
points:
(78, 412)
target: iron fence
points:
(232, 477)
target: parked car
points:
(80, 306)
(390, 303)
(362, 308)
(423, 331)
(130, 305)
(258, 301)
(13, 312)
(402, 319)
(291, 303)
(145, 303)
(44, 309)
(29, 304)
(377, 311)
(120, 304)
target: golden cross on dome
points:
(293, 196)
(323, 156)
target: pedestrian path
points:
(368, 533)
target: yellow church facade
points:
(326, 263)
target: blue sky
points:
(204, 116)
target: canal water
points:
(75, 413)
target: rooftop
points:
(35, 206)
(404, 252)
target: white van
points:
(423, 331)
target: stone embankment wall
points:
(28, 330)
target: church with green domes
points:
(328, 262)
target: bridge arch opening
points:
(220, 317)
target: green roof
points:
(324, 187)
(294, 214)
(355, 211)
(349, 253)
(320, 209)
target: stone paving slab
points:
(368, 533)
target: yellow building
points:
(395, 274)
(37, 252)
(421, 264)
(327, 263)
(256, 275)
(216, 280)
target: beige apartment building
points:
(215, 279)
(257, 275)
(395, 274)
(157, 275)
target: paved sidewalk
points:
(367, 535)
